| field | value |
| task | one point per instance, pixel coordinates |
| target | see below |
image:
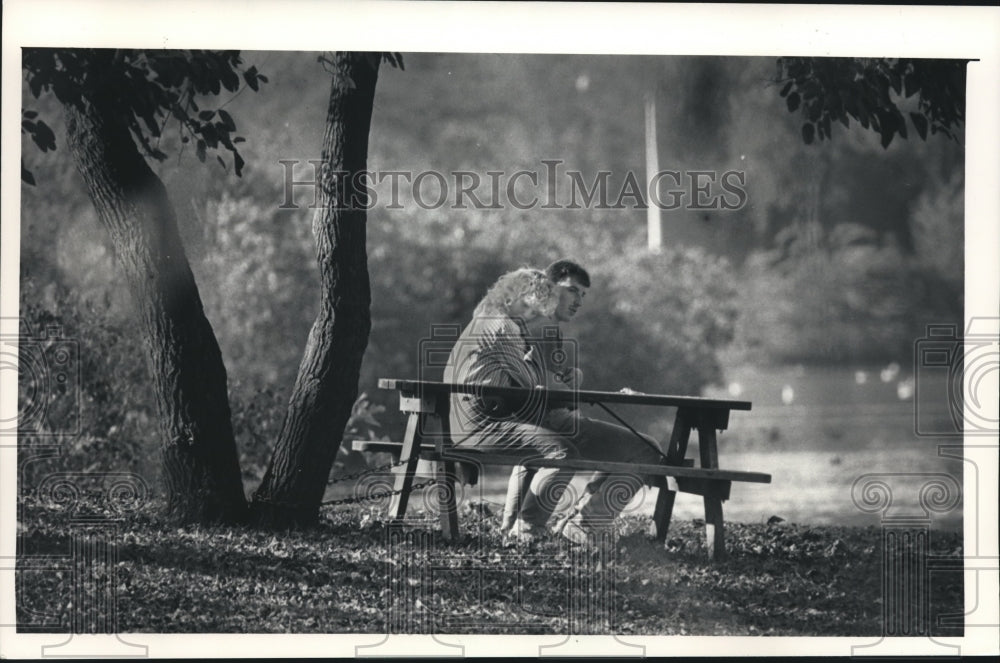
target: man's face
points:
(571, 294)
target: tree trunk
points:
(200, 466)
(327, 381)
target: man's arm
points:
(569, 379)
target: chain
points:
(377, 496)
(350, 500)
(361, 473)
(366, 498)
(373, 496)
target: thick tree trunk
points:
(200, 465)
(327, 382)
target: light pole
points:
(653, 230)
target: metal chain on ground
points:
(374, 496)
(361, 473)
(356, 500)
(351, 500)
(377, 496)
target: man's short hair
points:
(562, 269)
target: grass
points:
(355, 574)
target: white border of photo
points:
(903, 31)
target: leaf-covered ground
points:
(355, 573)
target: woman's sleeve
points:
(499, 361)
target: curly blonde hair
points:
(532, 286)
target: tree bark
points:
(200, 465)
(327, 382)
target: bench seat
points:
(532, 461)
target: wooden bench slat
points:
(601, 466)
(376, 445)
(530, 460)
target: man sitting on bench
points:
(497, 349)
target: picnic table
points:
(427, 437)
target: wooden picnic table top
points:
(562, 395)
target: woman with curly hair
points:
(517, 294)
(495, 350)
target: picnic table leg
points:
(665, 497)
(409, 456)
(715, 535)
(444, 475)
(663, 511)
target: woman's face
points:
(524, 310)
(537, 298)
(537, 305)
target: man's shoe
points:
(524, 532)
(580, 531)
(506, 524)
(573, 531)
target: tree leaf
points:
(210, 135)
(920, 124)
(230, 80)
(814, 111)
(227, 120)
(250, 76)
(224, 136)
(43, 137)
(26, 175)
(150, 121)
(793, 101)
(887, 135)
(895, 81)
(807, 133)
(886, 126)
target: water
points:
(818, 430)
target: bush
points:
(838, 295)
(103, 416)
